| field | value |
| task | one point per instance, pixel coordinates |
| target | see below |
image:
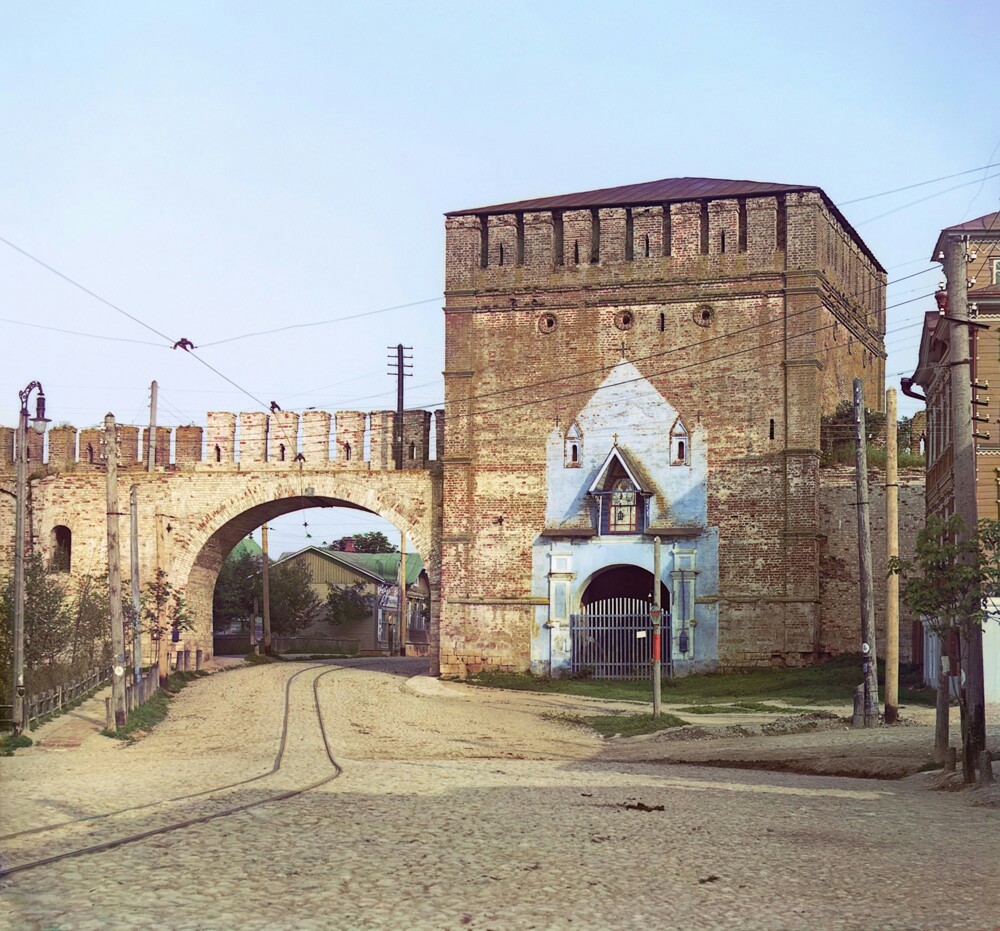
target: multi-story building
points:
(981, 239)
(651, 360)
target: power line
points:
(86, 290)
(114, 339)
(910, 187)
(920, 200)
(299, 326)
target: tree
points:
(294, 604)
(239, 585)
(949, 584)
(372, 542)
(163, 609)
(347, 604)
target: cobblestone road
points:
(468, 810)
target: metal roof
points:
(666, 190)
(990, 223)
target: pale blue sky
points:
(219, 168)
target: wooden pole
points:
(892, 550)
(151, 435)
(163, 660)
(402, 592)
(657, 618)
(115, 572)
(964, 476)
(133, 510)
(869, 664)
(266, 594)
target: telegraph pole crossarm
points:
(399, 363)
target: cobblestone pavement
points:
(467, 810)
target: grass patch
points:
(9, 744)
(832, 682)
(152, 711)
(258, 659)
(746, 707)
(622, 725)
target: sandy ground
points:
(464, 807)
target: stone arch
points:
(196, 553)
(630, 581)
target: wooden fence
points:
(37, 706)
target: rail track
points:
(124, 840)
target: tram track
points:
(114, 843)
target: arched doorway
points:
(612, 635)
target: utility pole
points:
(656, 616)
(163, 658)
(402, 594)
(267, 590)
(892, 551)
(399, 362)
(20, 522)
(115, 571)
(964, 477)
(151, 434)
(133, 510)
(869, 664)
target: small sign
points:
(640, 635)
(119, 670)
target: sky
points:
(216, 169)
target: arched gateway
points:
(193, 508)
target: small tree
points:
(294, 604)
(163, 609)
(948, 584)
(347, 604)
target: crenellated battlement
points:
(251, 440)
(723, 236)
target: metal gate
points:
(612, 639)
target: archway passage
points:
(628, 582)
(612, 636)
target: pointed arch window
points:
(573, 447)
(680, 444)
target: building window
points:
(622, 516)
(995, 278)
(680, 447)
(347, 451)
(62, 548)
(413, 450)
(573, 457)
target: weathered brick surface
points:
(199, 510)
(753, 325)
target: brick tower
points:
(648, 360)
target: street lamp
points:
(38, 423)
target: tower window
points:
(501, 253)
(90, 453)
(573, 447)
(576, 251)
(62, 548)
(771, 432)
(347, 451)
(722, 241)
(281, 452)
(645, 240)
(413, 450)
(218, 453)
(574, 453)
(663, 322)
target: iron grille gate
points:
(606, 639)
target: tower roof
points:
(666, 190)
(647, 193)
